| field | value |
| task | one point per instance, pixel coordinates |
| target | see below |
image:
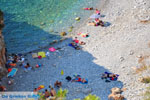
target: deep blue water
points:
(33, 23)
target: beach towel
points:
(85, 82)
(52, 49)
(41, 87)
(9, 69)
(82, 82)
(42, 54)
(12, 64)
(34, 55)
(12, 72)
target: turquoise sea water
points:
(33, 23)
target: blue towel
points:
(85, 82)
(12, 73)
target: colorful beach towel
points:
(42, 54)
(52, 49)
(12, 72)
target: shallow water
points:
(33, 23)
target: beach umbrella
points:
(94, 16)
(52, 49)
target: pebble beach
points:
(115, 48)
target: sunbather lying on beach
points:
(27, 65)
(97, 22)
(79, 79)
(83, 34)
(57, 84)
(110, 76)
(77, 41)
(88, 8)
(2, 88)
(74, 45)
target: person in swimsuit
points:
(52, 92)
(88, 8)
(96, 23)
(47, 94)
(97, 12)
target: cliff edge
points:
(3, 70)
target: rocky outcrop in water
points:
(2, 48)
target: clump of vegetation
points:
(143, 66)
(145, 79)
(141, 69)
(90, 97)
(147, 94)
(61, 94)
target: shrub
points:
(145, 80)
(90, 97)
(147, 94)
(61, 94)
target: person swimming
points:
(88, 8)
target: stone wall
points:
(3, 70)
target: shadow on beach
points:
(72, 62)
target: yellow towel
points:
(42, 54)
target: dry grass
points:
(147, 94)
(149, 44)
(145, 21)
(143, 64)
(141, 69)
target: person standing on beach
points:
(97, 12)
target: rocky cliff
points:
(2, 48)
